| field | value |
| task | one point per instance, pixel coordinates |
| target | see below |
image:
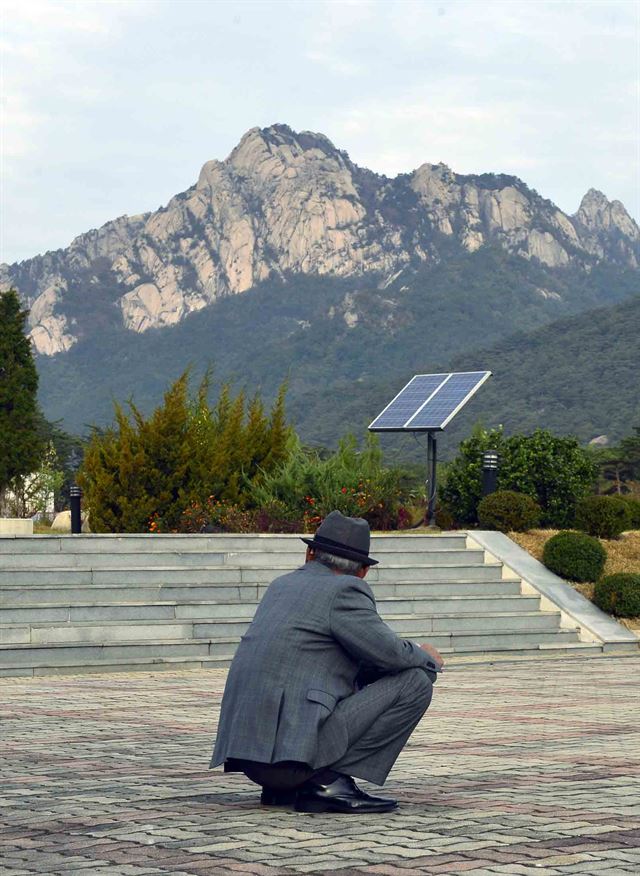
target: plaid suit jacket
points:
(312, 633)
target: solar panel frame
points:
(475, 379)
(451, 397)
(435, 381)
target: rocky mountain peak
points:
(598, 212)
(606, 228)
(284, 203)
(277, 151)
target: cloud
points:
(111, 107)
(334, 64)
(45, 46)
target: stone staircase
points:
(103, 603)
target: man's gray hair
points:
(340, 564)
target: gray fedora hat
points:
(342, 536)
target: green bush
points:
(575, 556)
(508, 511)
(445, 519)
(306, 486)
(555, 471)
(603, 516)
(619, 595)
(633, 505)
(146, 473)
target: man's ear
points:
(362, 572)
(310, 555)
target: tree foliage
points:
(21, 441)
(37, 491)
(482, 298)
(143, 472)
(619, 465)
(553, 470)
(306, 486)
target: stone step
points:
(235, 575)
(455, 661)
(204, 559)
(85, 654)
(107, 631)
(209, 542)
(73, 612)
(108, 594)
(432, 557)
(416, 625)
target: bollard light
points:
(75, 494)
(489, 471)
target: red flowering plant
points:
(351, 480)
(213, 515)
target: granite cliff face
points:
(285, 203)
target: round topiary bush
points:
(619, 595)
(445, 519)
(508, 511)
(575, 556)
(603, 516)
(633, 504)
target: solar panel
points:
(408, 400)
(429, 401)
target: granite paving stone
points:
(524, 768)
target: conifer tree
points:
(256, 438)
(144, 472)
(279, 432)
(21, 440)
(112, 479)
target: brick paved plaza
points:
(530, 768)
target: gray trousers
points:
(379, 719)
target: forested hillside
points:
(342, 343)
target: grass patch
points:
(623, 555)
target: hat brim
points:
(339, 551)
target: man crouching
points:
(297, 714)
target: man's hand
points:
(434, 654)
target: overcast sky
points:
(112, 107)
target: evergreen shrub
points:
(21, 440)
(159, 473)
(603, 516)
(508, 511)
(575, 556)
(554, 470)
(633, 505)
(445, 519)
(619, 595)
(306, 486)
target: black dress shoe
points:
(342, 795)
(271, 797)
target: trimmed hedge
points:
(575, 556)
(603, 516)
(619, 595)
(508, 511)
(445, 519)
(633, 504)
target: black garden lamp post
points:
(489, 472)
(75, 494)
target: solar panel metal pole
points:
(432, 459)
(428, 403)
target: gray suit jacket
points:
(311, 634)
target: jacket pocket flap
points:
(322, 697)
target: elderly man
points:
(321, 690)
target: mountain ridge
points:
(284, 204)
